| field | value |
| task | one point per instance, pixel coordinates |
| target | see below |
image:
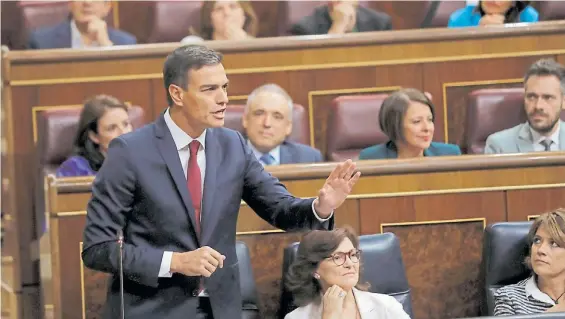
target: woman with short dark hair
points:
(324, 280)
(102, 119)
(493, 13)
(407, 118)
(544, 291)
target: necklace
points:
(557, 300)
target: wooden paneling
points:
(438, 233)
(443, 261)
(437, 207)
(522, 204)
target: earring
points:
(316, 276)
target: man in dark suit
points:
(175, 187)
(267, 121)
(85, 28)
(339, 17)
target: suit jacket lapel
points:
(524, 141)
(214, 155)
(63, 35)
(561, 136)
(364, 304)
(286, 154)
(169, 152)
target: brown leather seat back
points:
(551, 10)
(56, 131)
(172, 20)
(444, 11)
(354, 125)
(490, 111)
(300, 132)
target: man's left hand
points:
(336, 189)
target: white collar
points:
(76, 38)
(537, 137)
(179, 136)
(362, 298)
(533, 291)
(275, 152)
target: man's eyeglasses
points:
(340, 257)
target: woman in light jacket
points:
(324, 281)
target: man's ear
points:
(176, 93)
(288, 128)
(244, 120)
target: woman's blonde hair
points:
(206, 31)
(554, 224)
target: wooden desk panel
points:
(437, 207)
(313, 70)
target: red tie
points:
(194, 181)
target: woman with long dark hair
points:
(102, 119)
(488, 13)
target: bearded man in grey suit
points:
(544, 98)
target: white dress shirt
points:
(76, 38)
(182, 140)
(275, 153)
(537, 138)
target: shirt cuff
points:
(320, 218)
(165, 270)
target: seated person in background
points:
(493, 13)
(102, 119)
(544, 291)
(407, 118)
(84, 29)
(324, 280)
(339, 17)
(267, 121)
(544, 98)
(226, 20)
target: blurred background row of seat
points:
(170, 21)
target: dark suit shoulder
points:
(372, 20)
(437, 148)
(373, 152)
(318, 22)
(119, 37)
(45, 37)
(305, 153)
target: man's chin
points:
(217, 123)
(542, 129)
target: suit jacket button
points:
(195, 293)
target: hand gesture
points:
(235, 33)
(336, 189)
(332, 302)
(201, 262)
(98, 31)
(343, 18)
(492, 19)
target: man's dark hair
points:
(547, 67)
(183, 59)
